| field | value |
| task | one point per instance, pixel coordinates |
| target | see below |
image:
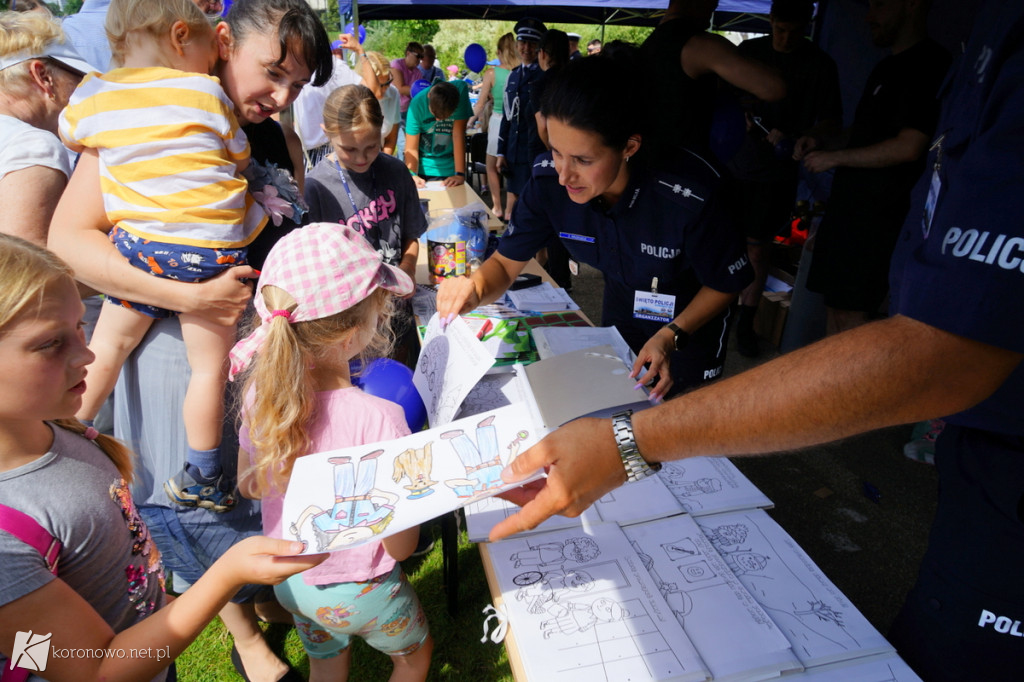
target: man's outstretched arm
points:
(890, 372)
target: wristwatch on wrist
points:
(681, 338)
(460, 173)
(636, 466)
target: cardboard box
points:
(770, 320)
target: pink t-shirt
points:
(347, 417)
(410, 76)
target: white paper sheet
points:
(888, 669)
(339, 499)
(543, 298)
(585, 609)
(484, 515)
(711, 604)
(451, 363)
(819, 621)
(637, 502)
(551, 341)
(711, 485)
(632, 503)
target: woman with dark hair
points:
(671, 260)
(269, 50)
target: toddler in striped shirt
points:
(170, 156)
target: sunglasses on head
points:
(416, 54)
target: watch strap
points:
(637, 468)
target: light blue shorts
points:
(384, 611)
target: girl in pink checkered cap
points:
(325, 297)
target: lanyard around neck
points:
(351, 199)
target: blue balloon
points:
(391, 380)
(350, 29)
(475, 57)
(418, 86)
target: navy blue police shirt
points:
(668, 224)
(963, 271)
(518, 138)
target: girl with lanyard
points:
(373, 193)
(671, 258)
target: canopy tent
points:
(733, 15)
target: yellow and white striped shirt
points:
(169, 148)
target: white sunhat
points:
(62, 52)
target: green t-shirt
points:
(437, 151)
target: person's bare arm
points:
(391, 141)
(412, 158)
(30, 197)
(410, 254)
(710, 53)
(459, 151)
(908, 145)
(78, 234)
(398, 80)
(456, 295)
(890, 372)
(75, 624)
(485, 95)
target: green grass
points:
(458, 652)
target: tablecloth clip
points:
(500, 617)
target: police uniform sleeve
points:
(964, 271)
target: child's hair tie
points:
(91, 433)
(286, 314)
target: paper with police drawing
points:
(343, 498)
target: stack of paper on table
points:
(735, 638)
(889, 668)
(585, 608)
(551, 341)
(543, 298)
(574, 384)
(711, 485)
(815, 616)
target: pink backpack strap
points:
(25, 528)
(28, 530)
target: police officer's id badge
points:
(649, 305)
(934, 188)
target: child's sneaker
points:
(921, 447)
(212, 494)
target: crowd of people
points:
(209, 217)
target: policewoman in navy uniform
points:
(671, 258)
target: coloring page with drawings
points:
(347, 497)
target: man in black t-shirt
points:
(891, 132)
(766, 165)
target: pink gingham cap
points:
(327, 268)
